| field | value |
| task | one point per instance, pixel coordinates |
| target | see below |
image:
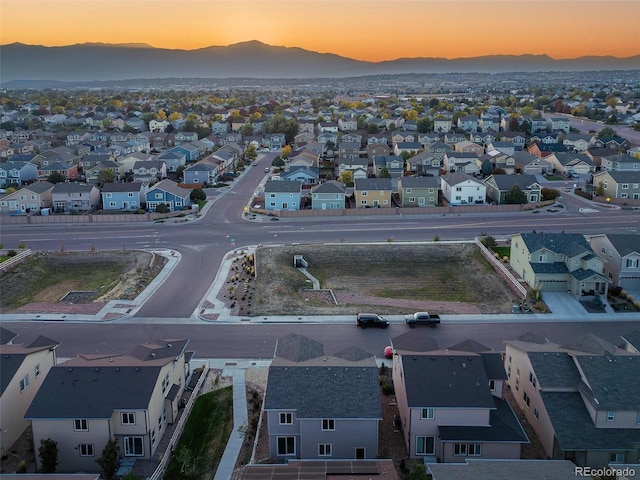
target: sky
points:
(372, 30)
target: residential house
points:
(400, 137)
(22, 371)
(538, 125)
(348, 123)
(409, 147)
(219, 128)
(377, 139)
(582, 398)
(282, 195)
(427, 138)
(438, 149)
(357, 166)
(621, 162)
(91, 399)
(543, 150)
(559, 124)
(508, 148)
(17, 173)
(74, 197)
(158, 125)
(558, 262)
(305, 158)
(29, 199)
(328, 127)
(578, 142)
(442, 124)
(322, 407)
(453, 138)
(122, 196)
(468, 123)
(149, 171)
(499, 160)
(328, 196)
(418, 191)
(168, 192)
(461, 162)
(529, 164)
(483, 138)
(460, 189)
(303, 174)
(566, 163)
(489, 122)
(477, 469)
(615, 143)
(68, 171)
(190, 151)
(621, 255)
(622, 185)
(201, 173)
(394, 164)
(423, 164)
(547, 138)
(352, 138)
(518, 139)
(468, 147)
(228, 156)
(450, 402)
(328, 139)
(377, 149)
(185, 137)
(128, 161)
(173, 160)
(92, 174)
(348, 150)
(372, 192)
(498, 186)
(274, 142)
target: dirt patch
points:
(40, 283)
(393, 279)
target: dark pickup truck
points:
(422, 318)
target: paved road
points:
(587, 126)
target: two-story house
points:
(372, 192)
(393, 163)
(621, 185)
(303, 174)
(621, 255)
(565, 163)
(147, 171)
(170, 193)
(91, 399)
(558, 262)
(322, 407)
(620, 162)
(582, 398)
(122, 196)
(30, 199)
(460, 189)
(173, 160)
(22, 371)
(282, 195)
(438, 149)
(466, 162)
(329, 195)
(200, 173)
(348, 150)
(468, 123)
(74, 197)
(498, 187)
(17, 173)
(357, 166)
(450, 403)
(418, 191)
(559, 124)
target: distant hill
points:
(98, 61)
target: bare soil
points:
(388, 278)
(40, 283)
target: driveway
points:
(562, 303)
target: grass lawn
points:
(502, 251)
(204, 438)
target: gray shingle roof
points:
(493, 366)
(569, 244)
(372, 184)
(332, 186)
(39, 187)
(614, 380)
(503, 427)
(282, 186)
(589, 343)
(554, 369)
(121, 187)
(633, 339)
(93, 392)
(65, 187)
(419, 182)
(325, 392)
(172, 187)
(6, 335)
(446, 381)
(625, 243)
(505, 182)
(298, 348)
(469, 345)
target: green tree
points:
(162, 208)
(407, 154)
(607, 132)
(109, 459)
(246, 130)
(330, 146)
(418, 472)
(280, 124)
(372, 128)
(180, 172)
(549, 193)
(106, 175)
(424, 125)
(55, 177)
(277, 162)
(600, 189)
(515, 195)
(487, 167)
(384, 173)
(251, 153)
(48, 453)
(197, 195)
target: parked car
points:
(364, 320)
(267, 169)
(422, 318)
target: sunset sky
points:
(363, 29)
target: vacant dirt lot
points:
(387, 278)
(42, 281)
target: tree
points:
(424, 125)
(330, 146)
(515, 195)
(607, 132)
(600, 189)
(55, 177)
(246, 130)
(179, 172)
(549, 193)
(346, 177)
(109, 459)
(487, 167)
(277, 162)
(384, 173)
(175, 116)
(418, 472)
(280, 124)
(197, 195)
(514, 123)
(162, 208)
(106, 175)
(286, 151)
(373, 128)
(251, 153)
(48, 453)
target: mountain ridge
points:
(254, 59)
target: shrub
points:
(436, 238)
(505, 259)
(623, 294)
(21, 467)
(630, 298)
(489, 242)
(162, 208)
(637, 304)
(21, 245)
(615, 291)
(11, 253)
(496, 255)
(387, 389)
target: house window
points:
(36, 370)
(133, 446)
(286, 419)
(611, 416)
(408, 190)
(109, 195)
(623, 195)
(328, 424)
(153, 436)
(517, 379)
(130, 194)
(412, 199)
(532, 379)
(617, 457)
(286, 445)
(425, 445)
(128, 418)
(324, 450)
(158, 195)
(165, 384)
(160, 423)
(527, 399)
(112, 204)
(467, 449)
(536, 413)
(81, 425)
(364, 194)
(458, 189)
(492, 385)
(542, 258)
(86, 449)
(625, 186)
(427, 414)
(24, 383)
(632, 262)
(164, 414)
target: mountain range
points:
(101, 61)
